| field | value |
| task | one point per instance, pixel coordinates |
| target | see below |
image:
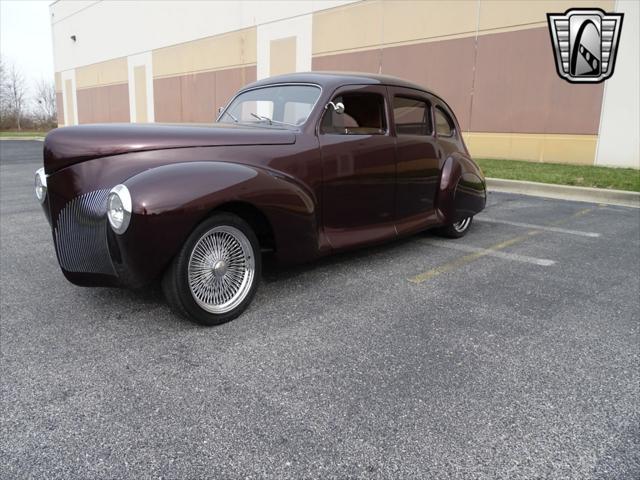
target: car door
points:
(418, 159)
(358, 162)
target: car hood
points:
(69, 145)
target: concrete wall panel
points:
(103, 104)
(535, 147)
(103, 73)
(140, 87)
(60, 109)
(140, 81)
(354, 26)
(69, 108)
(107, 30)
(490, 59)
(212, 53)
(518, 90)
(195, 98)
(445, 67)
(282, 56)
(498, 14)
(300, 29)
(228, 82)
(167, 99)
(362, 61)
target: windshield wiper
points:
(271, 121)
(260, 117)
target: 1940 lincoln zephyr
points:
(301, 165)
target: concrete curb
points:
(565, 192)
(39, 139)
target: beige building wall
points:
(140, 76)
(59, 99)
(283, 56)
(70, 118)
(103, 92)
(192, 79)
(140, 80)
(491, 60)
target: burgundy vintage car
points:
(300, 165)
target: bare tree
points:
(4, 97)
(16, 93)
(46, 100)
(21, 107)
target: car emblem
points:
(585, 43)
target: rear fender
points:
(462, 190)
(171, 200)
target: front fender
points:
(169, 201)
(462, 191)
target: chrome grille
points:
(81, 234)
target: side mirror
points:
(337, 107)
(220, 110)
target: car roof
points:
(333, 80)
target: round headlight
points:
(41, 185)
(119, 208)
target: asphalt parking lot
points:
(511, 353)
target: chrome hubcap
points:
(462, 225)
(221, 269)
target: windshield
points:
(288, 105)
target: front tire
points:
(456, 230)
(215, 275)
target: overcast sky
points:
(25, 37)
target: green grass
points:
(22, 133)
(578, 175)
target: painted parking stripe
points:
(470, 257)
(491, 253)
(539, 227)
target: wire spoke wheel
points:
(462, 225)
(221, 269)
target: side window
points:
(444, 125)
(363, 115)
(412, 117)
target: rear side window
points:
(363, 115)
(444, 124)
(411, 116)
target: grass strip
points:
(577, 175)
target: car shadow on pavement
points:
(130, 305)
(272, 271)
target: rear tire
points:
(456, 230)
(215, 275)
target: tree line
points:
(22, 109)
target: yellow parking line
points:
(472, 257)
(466, 259)
(582, 212)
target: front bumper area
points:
(91, 254)
(80, 235)
(88, 250)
